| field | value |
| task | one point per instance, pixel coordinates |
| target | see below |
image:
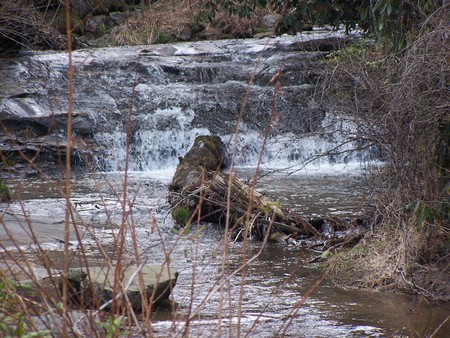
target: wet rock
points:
(198, 87)
(270, 21)
(95, 286)
(117, 18)
(189, 32)
(323, 45)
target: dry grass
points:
(166, 21)
(400, 103)
(46, 311)
(21, 25)
(389, 259)
(162, 21)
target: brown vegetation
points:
(400, 103)
(23, 26)
(41, 24)
(400, 106)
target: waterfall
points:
(173, 93)
(155, 149)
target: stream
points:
(168, 95)
(275, 282)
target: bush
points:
(400, 103)
(22, 26)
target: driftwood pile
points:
(200, 191)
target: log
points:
(199, 191)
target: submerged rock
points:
(95, 286)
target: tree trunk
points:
(199, 191)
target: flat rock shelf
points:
(97, 286)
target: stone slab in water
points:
(158, 282)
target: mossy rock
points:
(207, 151)
(206, 154)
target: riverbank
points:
(394, 260)
(40, 25)
(86, 118)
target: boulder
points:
(270, 21)
(94, 286)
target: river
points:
(167, 95)
(276, 282)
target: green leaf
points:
(197, 232)
(325, 254)
(389, 8)
(380, 26)
(19, 330)
(364, 13)
(420, 219)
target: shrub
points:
(5, 195)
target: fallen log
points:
(201, 192)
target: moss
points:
(5, 195)
(181, 215)
(101, 29)
(161, 37)
(101, 42)
(208, 151)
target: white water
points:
(155, 149)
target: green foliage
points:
(160, 37)
(197, 232)
(297, 14)
(12, 323)
(271, 208)
(181, 215)
(5, 195)
(426, 217)
(389, 20)
(393, 21)
(111, 326)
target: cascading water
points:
(187, 90)
(152, 149)
(173, 93)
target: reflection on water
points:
(343, 195)
(275, 282)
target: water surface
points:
(275, 284)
